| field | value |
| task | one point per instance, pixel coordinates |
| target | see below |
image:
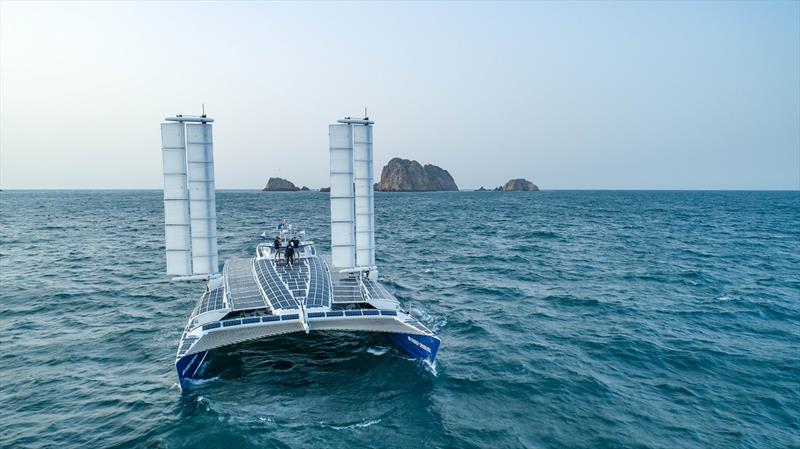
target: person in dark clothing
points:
(289, 255)
(276, 245)
(295, 242)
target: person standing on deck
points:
(296, 243)
(289, 254)
(276, 245)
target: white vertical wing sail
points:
(202, 198)
(190, 217)
(176, 200)
(364, 194)
(342, 204)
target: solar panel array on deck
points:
(376, 290)
(243, 290)
(295, 277)
(273, 286)
(212, 300)
(319, 290)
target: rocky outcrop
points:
(518, 185)
(280, 185)
(325, 189)
(304, 189)
(403, 175)
(482, 189)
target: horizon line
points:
(316, 190)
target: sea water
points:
(568, 319)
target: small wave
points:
(378, 351)
(358, 425)
(542, 234)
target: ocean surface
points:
(569, 319)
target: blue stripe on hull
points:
(188, 368)
(419, 346)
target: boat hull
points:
(189, 368)
(423, 347)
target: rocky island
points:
(282, 185)
(519, 185)
(403, 175)
(513, 185)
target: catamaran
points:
(265, 295)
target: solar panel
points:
(376, 290)
(212, 300)
(319, 284)
(273, 286)
(187, 343)
(242, 288)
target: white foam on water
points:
(196, 382)
(430, 367)
(357, 425)
(425, 364)
(378, 351)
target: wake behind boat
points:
(269, 294)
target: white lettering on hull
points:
(421, 345)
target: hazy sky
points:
(569, 95)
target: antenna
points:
(204, 110)
(366, 116)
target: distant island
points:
(282, 185)
(403, 175)
(513, 185)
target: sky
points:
(582, 95)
